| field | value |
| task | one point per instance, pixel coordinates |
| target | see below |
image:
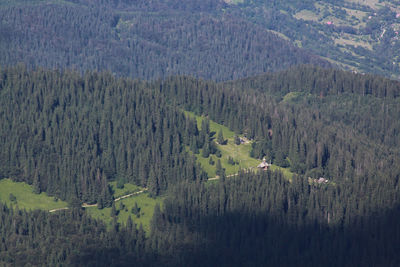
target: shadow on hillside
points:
(238, 239)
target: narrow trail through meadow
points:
(85, 205)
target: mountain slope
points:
(70, 135)
(357, 35)
(143, 40)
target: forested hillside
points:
(70, 135)
(131, 131)
(215, 39)
(142, 39)
(357, 35)
(263, 220)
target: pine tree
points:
(206, 150)
(220, 138)
(36, 183)
(113, 212)
(236, 140)
(153, 184)
(219, 170)
(211, 161)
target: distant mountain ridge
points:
(142, 39)
(362, 36)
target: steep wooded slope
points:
(69, 134)
(357, 35)
(143, 39)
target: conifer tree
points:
(206, 150)
(36, 183)
(236, 140)
(113, 212)
(218, 168)
(220, 138)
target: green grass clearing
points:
(214, 127)
(128, 189)
(25, 198)
(144, 202)
(306, 15)
(348, 39)
(239, 153)
(234, 2)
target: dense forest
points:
(141, 39)
(96, 95)
(358, 35)
(214, 39)
(70, 134)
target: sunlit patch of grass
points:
(127, 189)
(143, 201)
(25, 198)
(239, 153)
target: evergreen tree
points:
(220, 138)
(36, 183)
(206, 150)
(113, 212)
(211, 161)
(218, 168)
(236, 140)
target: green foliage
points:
(74, 203)
(220, 138)
(12, 198)
(211, 161)
(114, 144)
(120, 183)
(114, 212)
(295, 212)
(127, 189)
(231, 161)
(240, 155)
(136, 210)
(218, 169)
(124, 30)
(76, 149)
(205, 153)
(25, 197)
(145, 207)
(62, 238)
(236, 140)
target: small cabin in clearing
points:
(321, 180)
(263, 165)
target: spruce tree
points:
(220, 138)
(236, 140)
(206, 150)
(219, 170)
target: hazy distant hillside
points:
(214, 39)
(361, 35)
(142, 39)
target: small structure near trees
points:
(264, 165)
(321, 180)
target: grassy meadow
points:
(239, 153)
(25, 198)
(143, 201)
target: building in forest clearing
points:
(263, 165)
